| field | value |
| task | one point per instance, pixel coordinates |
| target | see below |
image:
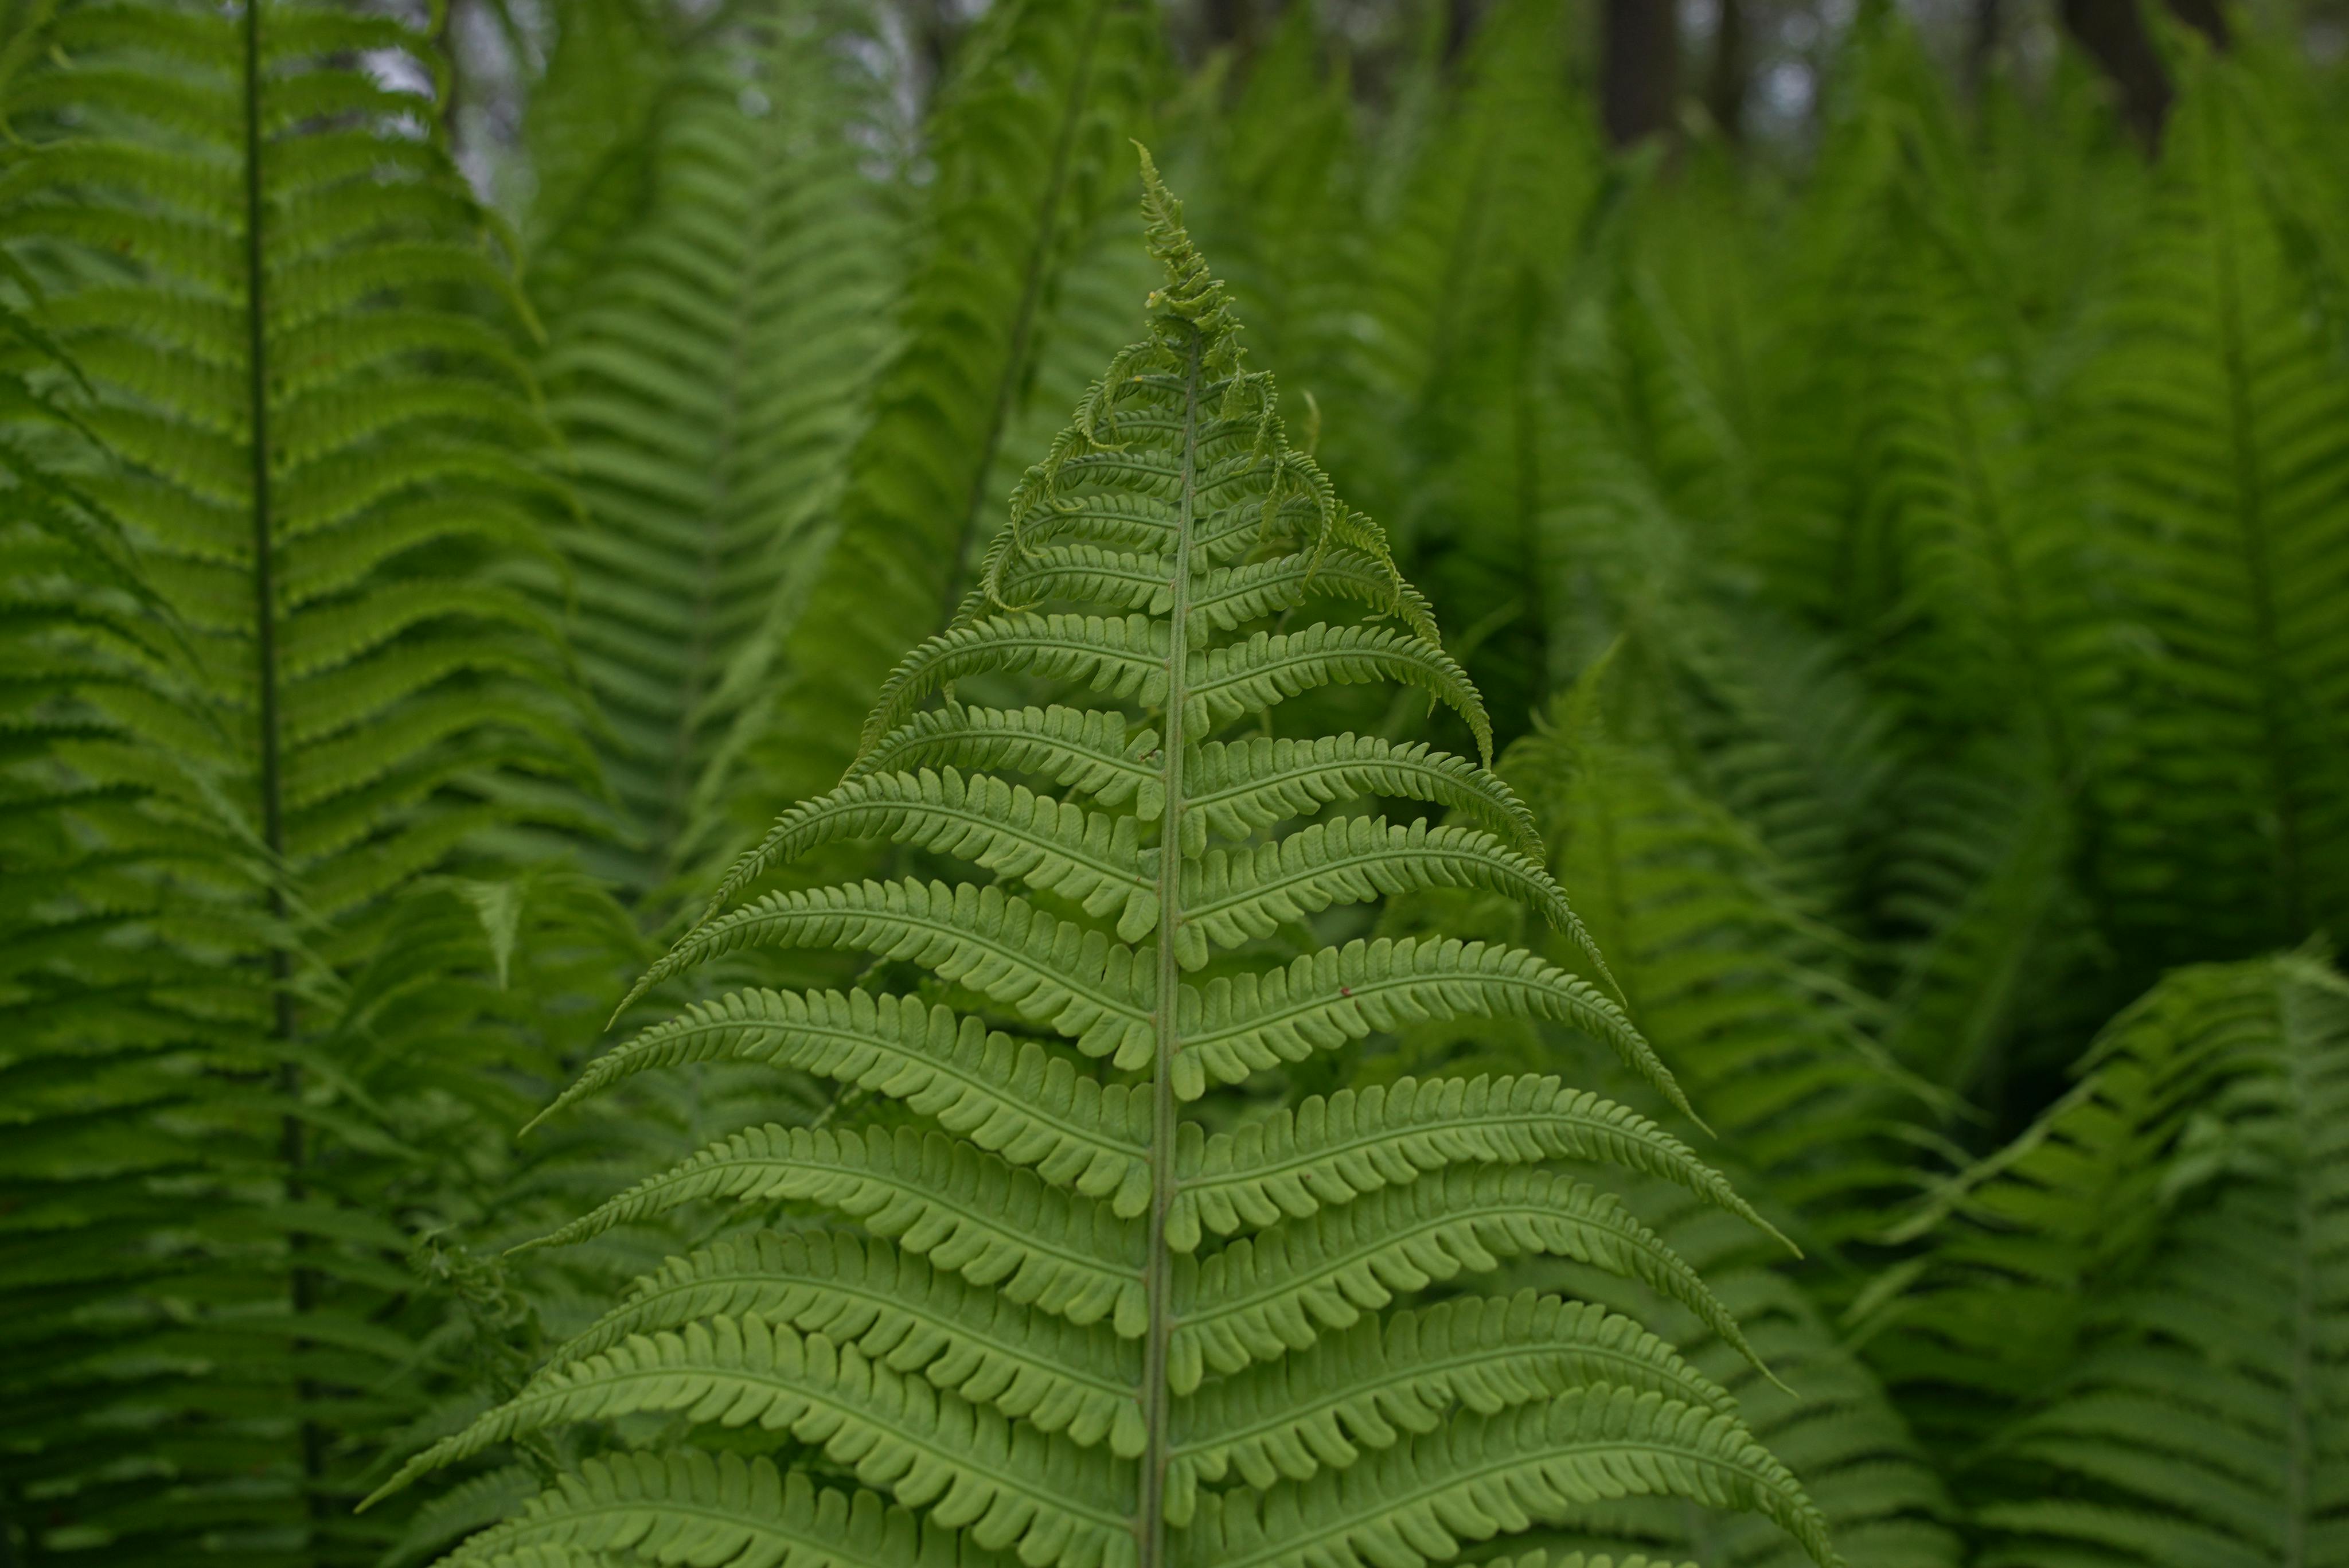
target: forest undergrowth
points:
(1622, 858)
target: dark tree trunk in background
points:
(2207, 17)
(1981, 44)
(1460, 18)
(1640, 68)
(1232, 23)
(1724, 84)
(2114, 31)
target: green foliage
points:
(2134, 1305)
(2223, 408)
(707, 378)
(273, 681)
(1143, 1309)
(1027, 154)
(1894, 558)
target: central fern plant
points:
(1052, 1289)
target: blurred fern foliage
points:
(1746, 976)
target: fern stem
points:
(291, 1145)
(1150, 1524)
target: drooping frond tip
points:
(1192, 291)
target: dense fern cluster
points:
(1801, 1026)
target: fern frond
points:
(1249, 677)
(2218, 412)
(2119, 1314)
(254, 1029)
(1718, 958)
(1083, 749)
(1294, 1164)
(900, 1311)
(706, 374)
(1262, 1297)
(1249, 893)
(965, 1211)
(1055, 972)
(1248, 1022)
(1243, 785)
(1051, 846)
(1004, 1484)
(1492, 222)
(1010, 1098)
(691, 1506)
(1026, 132)
(1478, 1476)
(1124, 657)
(1379, 1382)
(1142, 531)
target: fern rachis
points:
(1091, 1323)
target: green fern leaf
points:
(971, 1469)
(898, 1310)
(2218, 414)
(1294, 1164)
(1274, 1292)
(705, 371)
(1248, 1022)
(1055, 972)
(1109, 1228)
(695, 1507)
(2121, 1311)
(1247, 785)
(1373, 1385)
(1007, 1097)
(1478, 1476)
(1124, 657)
(254, 1029)
(945, 1200)
(1230, 682)
(1006, 828)
(701, 1508)
(1082, 749)
(1029, 126)
(1250, 893)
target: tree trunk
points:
(1460, 18)
(1725, 86)
(2114, 31)
(1983, 43)
(2204, 17)
(1640, 65)
(1233, 24)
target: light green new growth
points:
(1078, 1329)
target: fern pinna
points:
(1088, 1314)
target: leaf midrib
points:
(1158, 1285)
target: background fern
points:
(2133, 1294)
(1895, 522)
(281, 682)
(709, 378)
